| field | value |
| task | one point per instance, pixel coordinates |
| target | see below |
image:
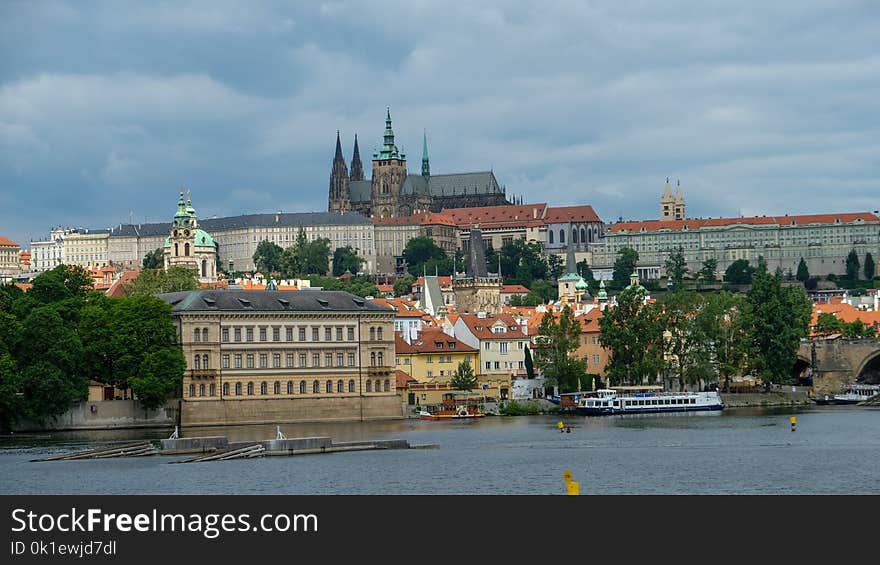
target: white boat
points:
(609, 401)
(849, 394)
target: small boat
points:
(455, 406)
(849, 394)
(609, 401)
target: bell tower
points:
(389, 172)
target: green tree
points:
(267, 257)
(558, 339)
(676, 267)
(11, 397)
(686, 355)
(315, 257)
(543, 291)
(724, 324)
(345, 259)
(584, 270)
(529, 363)
(739, 272)
(175, 279)
(852, 266)
(857, 328)
(828, 323)
(463, 378)
(555, 266)
(403, 285)
(523, 263)
(780, 318)
(422, 254)
(624, 266)
(62, 283)
(707, 273)
(869, 266)
(633, 332)
(803, 273)
(154, 259)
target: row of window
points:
(341, 360)
(376, 333)
(507, 365)
(211, 389)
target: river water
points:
(834, 450)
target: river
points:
(833, 450)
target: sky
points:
(109, 109)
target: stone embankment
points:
(785, 396)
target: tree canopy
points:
(739, 272)
(463, 378)
(154, 259)
(852, 265)
(803, 273)
(558, 338)
(267, 257)
(624, 266)
(345, 259)
(676, 267)
(633, 333)
(156, 281)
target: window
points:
(372, 334)
(340, 359)
(197, 334)
(387, 385)
(369, 385)
(205, 361)
(225, 389)
(521, 365)
(277, 388)
(249, 332)
(351, 359)
(315, 334)
(430, 373)
(276, 360)
(339, 335)
(302, 359)
(328, 386)
(302, 334)
(340, 386)
(262, 334)
(289, 360)
(351, 385)
(488, 346)
(224, 333)
(407, 361)
(350, 334)
(204, 334)
(237, 334)
(238, 360)
(316, 387)
(328, 359)
(373, 359)
(276, 334)
(250, 389)
(302, 387)
(289, 387)
(488, 365)
(197, 362)
(237, 389)
(288, 334)
(379, 334)
(192, 389)
(264, 389)
(503, 346)
(379, 359)
(497, 365)
(378, 385)
(430, 358)
(520, 344)
(595, 359)
(316, 360)
(250, 361)
(328, 334)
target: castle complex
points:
(393, 192)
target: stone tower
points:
(679, 205)
(667, 204)
(340, 201)
(389, 172)
(189, 246)
(477, 292)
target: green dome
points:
(581, 285)
(167, 242)
(204, 239)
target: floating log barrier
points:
(138, 449)
(247, 452)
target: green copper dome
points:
(204, 239)
(581, 285)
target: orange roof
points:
(403, 308)
(434, 219)
(514, 289)
(487, 217)
(6, 242)
(385, 287)
(24, 286)
(445, 282)
(845, 313)
(24, 255)
(432, 340)
(696, 223)
(116, 289)
(563, 214)
(482, 327)
(403, 379)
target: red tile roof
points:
(562, 214)
(116, 289)
(435, 219)
(427, 342)
(445, 282)
(696, 223)
(6, 242)
(403, 379)
(488, 217)
(514, 289)
(482, 327)
(402, 307)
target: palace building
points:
(392, 191)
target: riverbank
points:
(787, 397)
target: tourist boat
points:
(849, 394)
(609, 401)
(456, 406)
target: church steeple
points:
(426, 167)
(339, 193)
(338, 156)
(389, 150)
(357, 168)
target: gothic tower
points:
(357, 168)
(339, 195)
(389, 172)
(426, 166)
(679, 203)
(667, 204)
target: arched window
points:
(379, 333)
(372, 334)
(186, 249)
(316, 387)
(205, 361)
(328, 386)
(237, 389)
(277, 389)
(192, 389)
(264, 388)
(387, 385)
(550, 236)
(197, 334)
(250, 389)
(561, 236)
(204, 268)
(340, 386)
(583, 235)
(379, 359)
(369, 385)
(225, 389)
(351, 385)
(213, 389)
(373, 359)
(176, 250)
(204, 334)
(289, 387)
(197, 361)
(202, 389)
(302, 387)
(574, 235)
(378, 385)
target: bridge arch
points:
(869, 370)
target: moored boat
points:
(849, 394)
(456, 406)
(610, 401)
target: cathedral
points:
(393, 192)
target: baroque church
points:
(393, 192)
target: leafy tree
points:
(524, 262)
(463, 378)
(857, 328)
(633, 332)
(584, 270)
(421, 253)
(61, 283)
(686, 355)
(828, 323)
(852, 266)
(529, 363)
(558, 339)
(175, 279)
(543, 291)
(676, 267)
(267, 257)
(803, 273)
(403, 285)
(707, 273)
(739, 272)
(315, 257)
(11, 399)
(555, 266)
(624, 266)
(723, 321)
(345, 259)
(154, 259)
(780, 318)
(869, 266)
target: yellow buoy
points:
(793, 421)
(559, 424)
(573, 488)
(567, 476)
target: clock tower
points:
(190, 247)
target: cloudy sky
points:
(108, 108)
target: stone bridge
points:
(839, 361)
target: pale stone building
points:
(9, 262)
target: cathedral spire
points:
(426, 167)
(389, 150)
(357, 168)
(338, 156)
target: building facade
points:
(9, 259)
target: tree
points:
(175, 279)
(685, 351)
(154, 259)
(403, 285)
(315, 257)
(345, 259)
(584, 270)
(422, 254)
(624, 266)
(803, 273)
(828, 323)
(707, 273)
(676, 267)
(555, 266)
(739, 272)
(61, 283)
(633, 332)
(869, 266)
(558, 339)
(463, 378)
(723, 321)
(530, 365)
(524, 262)
(267, 257)
(852, 266)
(779, 319)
